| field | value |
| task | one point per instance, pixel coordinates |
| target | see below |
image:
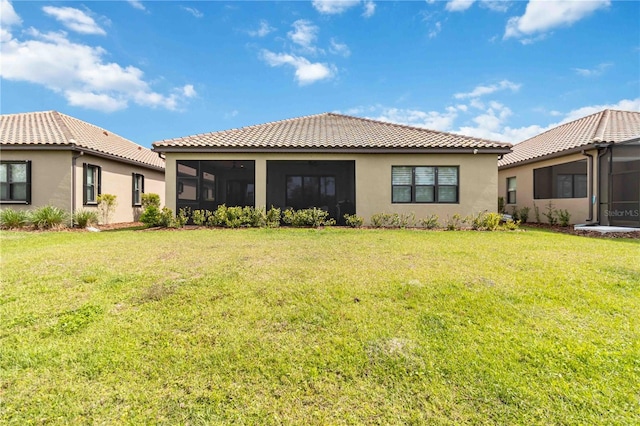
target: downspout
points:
(602, 153)
(590, 185)
(73, 181)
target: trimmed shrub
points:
(485, 221)
(312, 218)
(10, 218)
(511, 225)
(151, 216)
(429, 222)
(84, 218)
(150, 199)
(49, 217)
(524, 214)
(274, 215)
(199, 217)
(181, 218)
(353, 220)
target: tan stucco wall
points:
(50, 177)
(478, 179)
(117, 180)
(577, 207)
(51, 181)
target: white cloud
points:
(369, 9)
(459, 5)
(188, 91)
(8, 16)
(491, 122)
(263, 30)
(137, 4)
(542, 16)
(339, 48)
(334, 7)
(74, 19)
(435, 30)
(304, 34)
(90, 100)
(192, 10)
(80, 73)
(306, 72)
(594, 72)
(430, 120)
(496, 5)
(623, 105)
(485, 90)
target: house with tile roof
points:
(336, 162)
(589, 167)
(49, 158)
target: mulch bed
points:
(583, 233)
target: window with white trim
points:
(424, 184)
(91, 183)
(511, 190)
(137, 189)
(15, 182)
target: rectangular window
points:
(15, 182)
(137, 189)
(511, 190)
(91, 182)
(568, 180)
(424, 184)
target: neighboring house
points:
(49, 158)
(335, 162)
(590, 167)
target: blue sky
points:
(503, 70)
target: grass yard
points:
(331, 326)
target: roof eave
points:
(76, 148)
(553, 155)
(279, 150)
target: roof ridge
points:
(422, 129)
(66, 131)
(598, 135)
(66, 116)
(559, 126)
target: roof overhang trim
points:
(75, 148)
(553, 155)
(262, 150)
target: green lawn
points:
(331, 326)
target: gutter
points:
(74, 147)
(590, 196)
(329, 150)
(602, 153)
(73, 182)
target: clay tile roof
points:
(51, 128)
(604, 126)
(328, 130)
